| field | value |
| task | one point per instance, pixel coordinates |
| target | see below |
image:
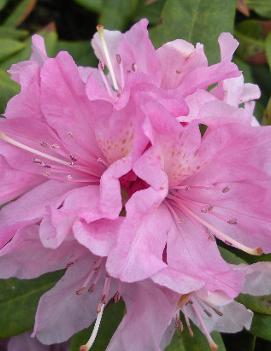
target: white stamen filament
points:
(70, 164)
(212, 344)
(16, 143)
(222, 236)
(95, 330)
(100, 30)
(105, 80)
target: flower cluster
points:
(128, 176)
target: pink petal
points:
(142, 301)
(24, 256)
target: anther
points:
(43, 144)
(232, 221)
(117, 297)
(118, 59)
(81, 290)
(226, 189)
(221, 235)
(134, 67)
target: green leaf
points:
(116, 14)
(230, 256)
(111, 319)
(261, 326)
(268, 49)
(250, 35)
(18, 302)
(184, 342)
(8, 88)
(261, 7)
(150, 9)
(260, 304)
(92, 5)
(11, 33)
(3, 4)
(19, 14)
(80, 51)
(9, 47)
(50, 38)
(195, 21)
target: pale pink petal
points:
(99, 236)
(24, 342)
(61, 311)
(143, 300)
(15, 182)
(30, 207)
(24, 256)
(228, 45)
(142, 239)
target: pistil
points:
(94, 333)
(100, 30)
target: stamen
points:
(22, 146)
(187, 322)
(222, 236)
(122, 82)
(212, 344)
(100, 30)
(101, 67)
(95, 330)
(178, 324)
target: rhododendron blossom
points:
(128, 176)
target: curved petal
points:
(143, 300)
(61, 311)
(25, 257)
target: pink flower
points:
(68, 156)
(211, 311)
(83, 291)
(201, 188)
(108, 185)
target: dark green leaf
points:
(9, 47)
(268, 49)
(80, 51)
(261, 326)
(11, 33)
(50, 38)
(92, 5)
(262, 7)
(111, 319)
(230, 256)
(19, 14)
(184, 342)
(8, 88)
(116, 14)
(195, 21)
(150, 9)
(18, 302)
(260, 304)
(3, 4)
(250, 35)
